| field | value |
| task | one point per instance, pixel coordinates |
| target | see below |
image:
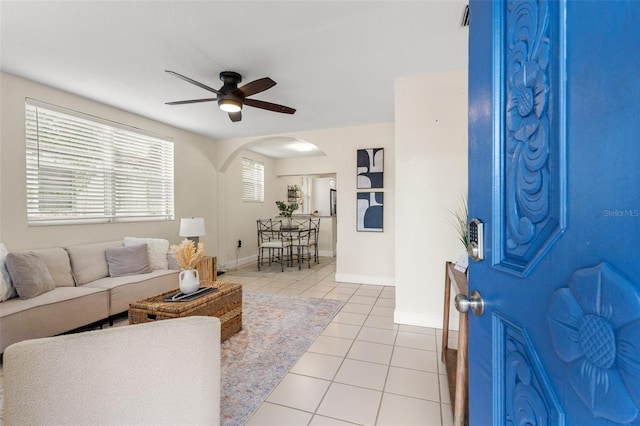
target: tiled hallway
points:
(363, 369)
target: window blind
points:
(83, 169)
(252, 180)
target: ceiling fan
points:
(231, 98)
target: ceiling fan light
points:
(230, 105)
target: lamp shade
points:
(192, 227)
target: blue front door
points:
(554, 175)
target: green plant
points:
(460, 218)
(286, 210)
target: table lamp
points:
(192, 228)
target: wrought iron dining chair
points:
(270, 238)
(300, 223)
(301, 241)
(314, 225)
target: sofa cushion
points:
(88, 261)
(57, 261)
(7, 290)
(29, 274)
(128, 289)
(128, 260)
(54, 312)
(157, 249)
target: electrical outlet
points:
(239, 243)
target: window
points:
(83, 169)
(252, 180)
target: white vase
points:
(189, 281)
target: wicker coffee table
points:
(226, 304)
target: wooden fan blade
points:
(235, 116)
(254, 87)
(187, 79)
(269, 106)
(192, 101)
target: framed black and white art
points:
(370, 209)
(370, 168)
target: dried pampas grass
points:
(187, 255)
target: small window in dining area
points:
(252, 181)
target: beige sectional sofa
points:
(84, 293)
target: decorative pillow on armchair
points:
(128, 260)
(29, 274)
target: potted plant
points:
(459, 219)
(286, 210)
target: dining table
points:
(300, 234)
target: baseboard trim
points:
(365, 279)
(422, 320)
(242, 261)
(231, 264)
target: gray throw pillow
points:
(157, 249)
(29, 274)
(128, 260)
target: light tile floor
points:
(363, 369)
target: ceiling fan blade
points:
(235, 116)
(187, 79)
(269, 106)
(192, 101)
(254, 87)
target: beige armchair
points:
(161, 373)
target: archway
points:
(288, 161)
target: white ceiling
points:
(334, 61)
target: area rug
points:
(276, 331)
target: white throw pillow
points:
(7, 290)
(157, 249)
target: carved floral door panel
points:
(554, 174)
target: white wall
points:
(238, 218)
(362, 257)
(195, 175)
(304, 166)
(431, 176)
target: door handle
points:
(475, 303)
